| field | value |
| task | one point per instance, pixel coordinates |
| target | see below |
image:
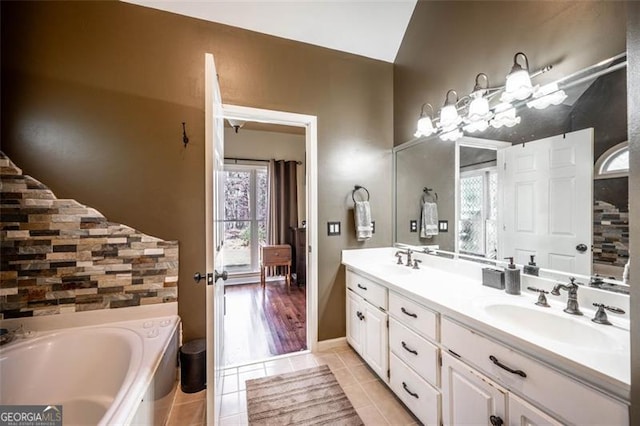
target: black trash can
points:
(193, 366)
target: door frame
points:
(310, 124)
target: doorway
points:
(277, 319)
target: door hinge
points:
(389, 373)
(505, 165)
(440, 359)
(387, 322)
(309, 249)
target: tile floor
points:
(371, 398)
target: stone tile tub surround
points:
(59, 256)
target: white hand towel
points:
(362, 218)
(429, 220)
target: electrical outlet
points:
(413, 226)
(333, 228)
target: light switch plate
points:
(443, 225)
(413, 226)
(333, 228)
(373, 226)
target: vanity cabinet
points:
(367, 322)
(563, 397)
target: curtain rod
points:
(253, 159)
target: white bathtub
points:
(99, 374)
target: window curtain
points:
(283, 205)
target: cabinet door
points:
(354, 321)
(521, 413)
(376, 340)
(469, 397)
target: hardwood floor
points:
(260, 324)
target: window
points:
(478, 213)
(614, 162)
(245, 216)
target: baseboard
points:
(331, 343)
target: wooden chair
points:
(275, 255)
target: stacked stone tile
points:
(59, 256)
(610, 234)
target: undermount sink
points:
(394, 268)
(551, 325)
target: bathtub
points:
(99, 374)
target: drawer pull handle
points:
(504, 367)
(404, 311)
(359, 315)
(406, 389)
(404, 345)
(361, 286)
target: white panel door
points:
(376, 340)
(468, 397)
(214, 214)
(547, 201)
(354, 321)
(521, 413)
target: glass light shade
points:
(449, 116)
(478, 108)
(452, 135)
(546, 96)
(518, 86)
(505, 115)
(477, 126)
(425, 127)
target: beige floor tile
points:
(350, 358)
(183, 398)
(301, 362)
(230, 384)
(342, 348)
(235, 420)
(191, 413)
(377, 392)
(285, 368)
(362, 373)
(394, 412)
(331, 359)
(278, 363)
(371, 416)
(357, 396)
(229, 371)
(243, 377)
(344, 377)
(251, 367)
(233, 403)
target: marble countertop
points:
(594, 353)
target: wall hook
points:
(185, 138)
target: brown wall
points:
(94, 93)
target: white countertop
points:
(454, 288)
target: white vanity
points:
(459, 353)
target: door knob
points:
(223, 275)
(197, 277)
(581, 248)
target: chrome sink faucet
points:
(399, 254)
(572, 296)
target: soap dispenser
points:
(511, 278)
(531, 268)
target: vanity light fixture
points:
(477, 118)
(505, 115)
(518, 85)
(449, 117)
(546, 96)
(425, 125)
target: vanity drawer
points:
(551, 389)
(422, 399)
(414, 350)
(370, 291)
(413, 315)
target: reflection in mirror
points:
(593, 118)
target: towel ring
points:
(427, 193)
(357, 188)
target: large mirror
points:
(554, 186)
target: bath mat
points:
(306, 397)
